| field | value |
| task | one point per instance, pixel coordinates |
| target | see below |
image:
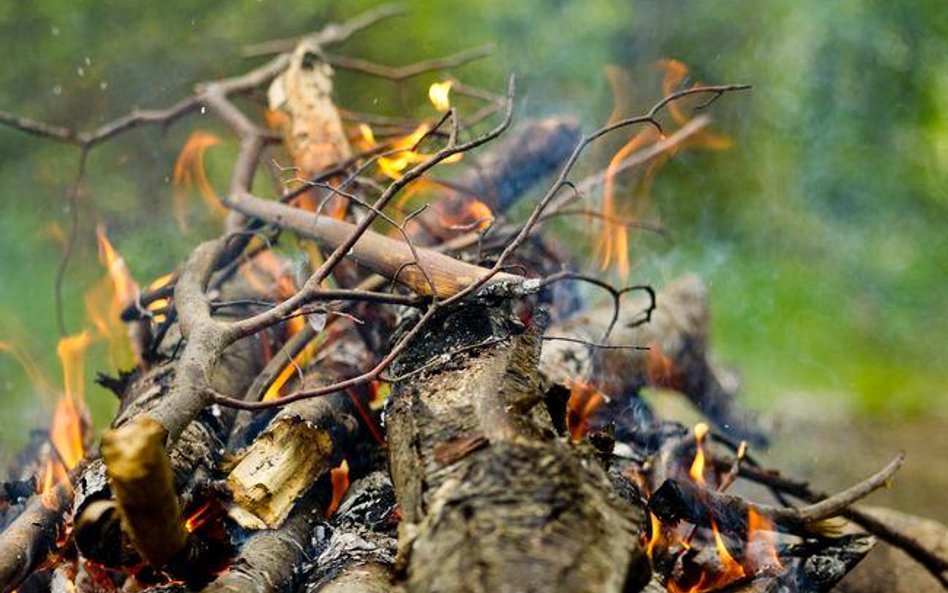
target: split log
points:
(303, 442)
(360, 554)
(491, 499)
(677, 355)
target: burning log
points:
(490, 499)
(680, 499)
(676, 337)
(270, 560)
(360, 554)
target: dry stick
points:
(679, 499)
(934, 563)
(401, 73)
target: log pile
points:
(422, 413)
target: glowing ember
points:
(438, 94)
(583, 401)
(697, 467)
(379, 394)
(198, 517)
(340, 485)
(189, 172)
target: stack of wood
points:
(436, 422)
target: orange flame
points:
(66, 432)
(438, 94)
(189, 172)
(275, 390)
(614, 242)
(675, 72)
(583, 401)
(473, 215)
(106, 300)
(761, 549)
(659, 368)
(655, 537)
(729, 571)
(697, 466)
(340, 485)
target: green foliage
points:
(822, 230)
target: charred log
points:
(359, 555)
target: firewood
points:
(683, 499)
(504, 173)
(491, 500)
(677, 356)
(140, 477)
(271, 560)
(303, 442)
(360, 554)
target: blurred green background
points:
(822, 232)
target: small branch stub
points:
(142, 483)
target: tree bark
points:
(491, 499)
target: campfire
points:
(379, 376)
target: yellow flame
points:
(106, 300)
(66, 432)
(655, 537)
(697, 467)
(189, 172)
(402, 154)
(438, 94)
(732, 570)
